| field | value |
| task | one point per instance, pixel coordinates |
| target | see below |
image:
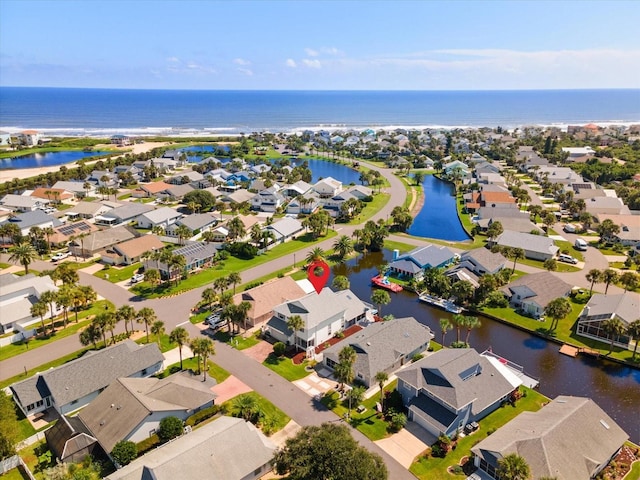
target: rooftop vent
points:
(605, 424)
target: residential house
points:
(5, 138)
(417, 261)
(95, 242)
(30, 138)
(219, 449)
(569, 438)
(327, 187)
(239, 196)
(196, 254)
(323, 315)
(75, 384)
(22, 203)
(135, 172)
(535, 247)
(532, 293)
(87, 210)
(70, 441)
(306, 204)
(27, 220)
(196, 223)
(152, 189)
(607, 205)
(285, 228)
(131, 251)
(124, 214)
(629, 234)
(103, 178)
(162, 217)
(457, 166)
(17, 296)
(268, 200)
(578, 152)
(64, 233)
(382, 347)
(600, 308)
(131, 408)
(54, 194)
(360, 192)
(481, 261)
(265, 297)
(561, 175)
(259, 169)
(121, 140)
(165, 165)
(186, 178)
(76, 188)
(453, 387)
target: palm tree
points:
(256, 233)
(221, 284)
(152, 276)
(180, 336)
(147, 316)
(344, 369)
(126, 314)
(236, 229)
(23, 253)
(50, 298)
(513, 467)
(183, 232)
(315, 255)
(64, 301)
(340, 282)
(48, 231)
(193, 206)
(516, 254)
(77, 300)
(157, 329)
(380, 298)
(209, 296)
(234, 278)
(594, 276)
(110, 324)
(613, 327)
(471, 323)
(633, 330)
(241, 311)
(177, 264)
(609, 276)
(295, 323)
(381, 378)
(343, 246)
(445, 326)
(267, 237)
(557, 309)
(206, 349)
(458, 321)
(39, 309)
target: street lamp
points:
(294, 260)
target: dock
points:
(569, 350)
(383, 282)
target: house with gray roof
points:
(22, 203)
(77, 188)
(299, 188)
(177, 192)
(481, 261)
(74, 385)
(570, 438)
(228, 448)
(196, 254)
(196, 223)
(285, 228)
(382, 347)
(414, 263)
(132, 408)
(327, 187)
(452, 387)
(323, 315)
(535, 247)
(307, 204)
(97, 241)
(36, 218)
(161, 217)
(17, 296)
(185, 178)
(87, 210)
(69, 440)
(600, 308)
(267, 200)
(532, 293)
(124, 214)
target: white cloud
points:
(291, 63)
(316, 52)
(247, 71)
(311, 63)
(311, 52)
(241, 61)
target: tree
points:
(157, 329)
(550, 264)
(24, 254)
(594, 276)
(633, 330)
(205, 349)
(381, 378)
(203, 198)
(609, 276)
(65, 273)
(147, 316)
(221, 284)
(126, 314)
(459, 321)
(152, 276)
(91, 334)
(470, 323)
(557, 309)
(343, 246)
(50, 298)
(327, 452)
(607, 230)
(177, 264)
(9, 427)
(614, 328)
(340, 282)
(402, 218)
(462, 291)
(234, 279)
(380, 298)
(314, 255)
(170, 427)
(513, 467)
(180, 336)
(236, 229)
(516, 254)
(344, 369)
(445, 326)
(124, 452)
(39, 309)
(494, 230)
(629, 280)
(295, 323)
(183, 232)
(418, 178)
(548, 219)
(209, 297)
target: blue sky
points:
(316, 45)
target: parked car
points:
(570, 228)
(580, 244)
(137, 277)
(60, 256)
(214, 321)
(567, 259)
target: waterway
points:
(46, 159)
(438, 217)
(615, 388)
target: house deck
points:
(518, 370)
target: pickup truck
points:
(60, 256)
(137, 277)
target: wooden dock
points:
(569, 350)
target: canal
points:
(615, 388)
(46, 159)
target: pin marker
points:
(318, 281)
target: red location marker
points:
(318, 279)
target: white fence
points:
(14, 462)
(17, 337)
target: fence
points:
(14, 462)
(18, 337)
(36, 437)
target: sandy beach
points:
(10, 174)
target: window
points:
(329, 330)
(144, 371)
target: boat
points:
(447, 305)
(383, 282)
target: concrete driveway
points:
(313, 385)
(405, 446)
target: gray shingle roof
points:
(90, 373)
(526, 241)
(197, 221)
(27, 220)
(483, 257)
(286, 226)
(541, 287)
(626, 306)
(429, 256)
(129, 211)
(568, 439)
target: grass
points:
(214, 370)
(199, 317)
(25, 429)
(371, 208)
(232, 264)
(430, 467)
(634, 473)
(125, 196)
(561, 266)
(14, 474)
(14, 349)
(366, 422)
(117, 274)
(402, 247)
(237, 341)
(563, 245)
(5, 265)
(165, 343)
(268, 409)
(285, 367)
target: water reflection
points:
(614, 387)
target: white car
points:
(137, 277)
(60, 256)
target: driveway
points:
(259, 352)
(407, 444)
(231, 387)
(314, 385)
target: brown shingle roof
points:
(155, 187)
(264, 297)
(137, 246)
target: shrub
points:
(223, 255)
(124, 452)
(397, 421)
(339, 335)
(496, 299)
(457, 470)
(149, 444)
(279, 348)
(170, 427)
(419, 356)
(202, 415)
(438, 451)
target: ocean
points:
(103, 112)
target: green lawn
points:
(561, 266)
(634, 473)
(215, 371)
(14, 349)
(165, 343)
(5, 265)
(568, 247)
(284, 367)
(118, 274)
(402, 247)
(269, 411)
(232, 264)
(199, 317)
(237, 341)
(430, 467)
(371, 208)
